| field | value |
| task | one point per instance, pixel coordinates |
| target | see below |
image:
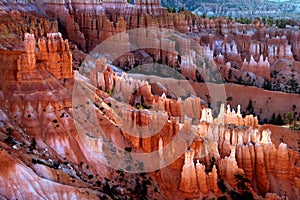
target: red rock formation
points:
(249, 159)
(188, 182)
(26, 63)
(232, 117)
(188, 68)
(190, 179)
(151, 7)
(74, 32)
(19, 23)
(261, 67)
(213, 181)
(255, 161)
(260, 170)
(283, 167)
(202, 179)
(228, 168)
(55, 56)
(180, 23)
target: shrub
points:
(90, 176)
(9, 130)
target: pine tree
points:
(290, 119)
(273, 119)
(279, 120)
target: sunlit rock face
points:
(55, 51)
(53, 55)
(236, 148)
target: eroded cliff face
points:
(223, 148)
(220, 147)
(246, 152)
(53, 55)
(44, 149)
(16, 21)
